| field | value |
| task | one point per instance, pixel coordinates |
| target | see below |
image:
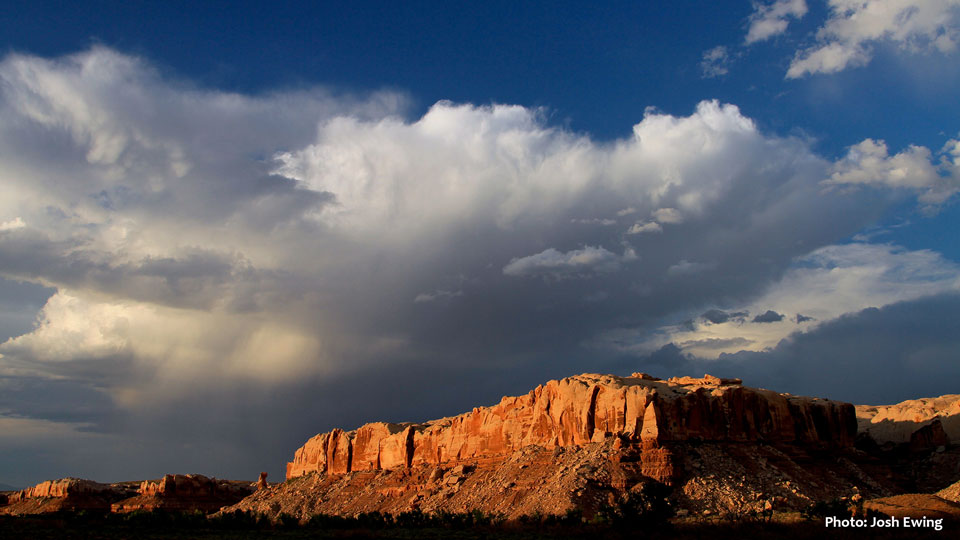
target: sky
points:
(226, 227)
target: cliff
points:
(580, 443)
(173, 492)
(898, 423)
(640, 411)
(64, 494)
(185, 492)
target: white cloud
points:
(668, 215)
(855, 26)
(166, 345)
(575, 263)
(199, 238)
(770, 20)
(715, 62)
(648, 227)
(869, 163)
(15, 223)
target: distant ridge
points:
(8, 487)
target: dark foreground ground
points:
(195, 526)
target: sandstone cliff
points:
(581, 442)
(898, 423)
(64, 494)
(640, 411)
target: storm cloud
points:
(219, 270)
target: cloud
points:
(685, 267)
(715, 62)
(768, 316)
(15, 223)
(869, 163)
(717, 316)
(207, 261)
(437, 295)
(769, 20)
(648, 227)
(868, 347)
(668, 215)
(853, 29)
(575, 263)
(826, 284)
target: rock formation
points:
(643, 412)
(64, 494)
(184, 492)
(897, 423)
(262, 481)
(581, 442)
(173, 492)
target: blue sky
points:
(222, 219)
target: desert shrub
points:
(647, 507)
(823, 509)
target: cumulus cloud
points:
(869, 163)
(207, 252)
(769, 20)
(853, 28)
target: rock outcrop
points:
(64, 494)
(897, 423)
(185, 492)
(643, 412)
(582, 442)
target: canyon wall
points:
(641, 411)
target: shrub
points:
(647, 507)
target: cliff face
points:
(639, 411)
(61, 489)
(898, 423)
(173, 492)
(64, 494)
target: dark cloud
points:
(876, 356)
(717, 316)
(768, 316)
(802, 318)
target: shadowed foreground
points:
(160, 524)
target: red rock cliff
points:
(60, 489)
(641, 411)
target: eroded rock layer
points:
(639, 411)
(898, 423)
(64, 494)
(185, 492)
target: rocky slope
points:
(581, 442)
(172, 492)
(187, 492)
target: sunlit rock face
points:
(641, 412)
(938, 417)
